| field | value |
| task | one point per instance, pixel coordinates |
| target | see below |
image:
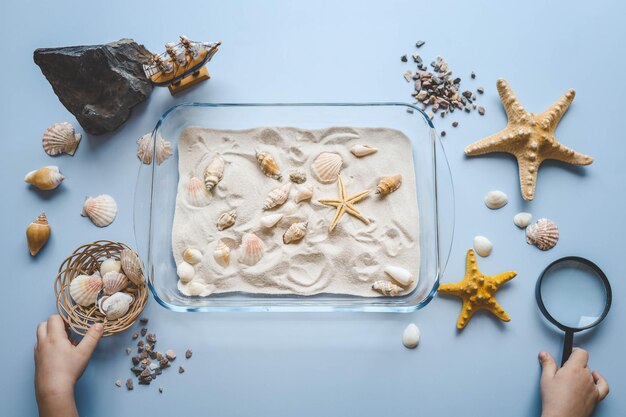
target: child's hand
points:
(59, 364)
(571, 391)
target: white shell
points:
(411, 336)
(304, 193)
(196, 288)
(131, 266)
(46, 178)
(295, 232)
(544, 234)
(221, 254)
(482, 246)
(387, 288)
(252, 249)
(214, 172)
(362, 150)
(145, 149)
(60, 138)
(84, 289)
(496, 199)
(298, 176)
(192, 256)
(113, 282)
(163, 150)
(101, 210)
(185, 272)
(115, 305)
(270, 220)
(226, 220)
(277, 196)
(108, 265)
(197, 194)
(400, 275)
(522, 219)
(326, 167)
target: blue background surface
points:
(330, 364)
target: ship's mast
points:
(163, 65)
(177, 56)
(192, 48)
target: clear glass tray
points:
(155, 200)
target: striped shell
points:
(252, 249)
(163, 150)
(46, 178)
(196, 193)
(60, 138)
(222, 253)
(277, 196)
(214, 172)
(326, 167)
(113, 282)
(268, 165)
(388, 185)
(101, 210)
(145, 149)
(544, 234)
(226, 220)
(84, 289)
(131, 266)
(295, 232)
(110, 264)
(386, 288)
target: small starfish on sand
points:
(530, 138)
(344, 204)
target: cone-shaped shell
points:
(388, 185)
(270, 220)
(277, 196)
(131, 265)
(295, 232)
(222, 253)
(60, 138)
(196, 193)
(386, 288)
(192, 256)
(84, 289)
(268, 165)
(37, 234)
(400, 275)
(46, 178)
(362, 150)
(101, 210)
(226, 220)
(214, 172)
(113, 282)
(252, 249)
(304, 193)
(544, 234)
(326, 167)
(115, 305)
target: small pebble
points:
(160, 390)
(480, 90)
(135, 335)
(129, 384)
(473, 75)
(181, 369)
(408, 75)
(443, 133)
(170, 354)
(419, 44)
(403, 58)
(118, 383)
(144, 331)
(188, 353)
(143, 321)
(409, 110)
(481, 111)
(411, 336)
(128, 350)
(151, 337)
(455, 124)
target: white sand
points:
(344, 261)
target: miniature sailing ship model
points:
(182, 65)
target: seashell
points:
(522, 220)
(252, 249)
(110, 265)
(388, 185)
(84, 289)
(192, 256)
(60, 138)
(270, 220)
(326, 167)
(277, 196)
(226, 220)
(298, 176)
(295, 232)
(197, 195)
(145, 149)
(289, 208)
(46, 178)
(543, 234)
(304, 193)
(362, 150)
(113, 282)
(131, 265)
(268, 165)
(411, 336)
(387, 288)
(496, 199)
(214, 172)
(37, 234)
(163, 150)
(222, 253)
(400, 275)
(195, 288)
(101, 210)
(482, 246)
(115, 305)
(185, 272)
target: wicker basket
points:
(85, 261)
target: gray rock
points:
(98, 84)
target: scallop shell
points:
(387, 288)
(400, 275)
(326, 167)
(185, 272)
(362, 150)
(163, 150)
(304, 193)
(252, 249)
(115, 305)
(101, 210)
(108, 265)
(483, 246)
(268, 165)
(522, 220)
(192, 256)
(60, 138)
(297, 176)
(222, 253)
(496, 199)
(411, 336)
(84, 289)
(131, 265)
(37, 234)
(113, 282)
(295, 232)
(270, 220)
(544, 234)
(214, 172)
(145, 149)
(46, 178)
(226, 220)
(277, 196)
(197, 195)
(388, 185)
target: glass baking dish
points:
(156, 189)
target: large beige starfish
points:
(530, 138)
(345, 204)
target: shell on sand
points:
(297, 176)
(37, 234)
(214, 172)
(185, 272)
(252, 249)
(226, 220)
(326, 167)
(388, 185)
(387, 288)
(84, 289)
(46, 178)
(60, 138)
(113, 282)
(268, 165)
(192, 256)
(270, 220)
(197, 194)
(362, 150)
(400, 275)
(544, 234)
(101, 210)
(131, 266)
(304, 193)
(221, 254)
(277, 196)
(295, 232)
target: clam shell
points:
(522, 219)
(37, 234)
(145, 149)
(113, 282)
(192, 256)
(115, 305)
(221, 254)
(226, 220)
(101, 210)
(544, 234)
(362, 150)
(60, 138)
(387, 288)
(297, 176)
(131, 265)
(214, 172)
(270, 220)
(295, 232)
(185, 272)
(268, 165)
(84, 289)
(482, 246)
(411, 336)
(196, 193)
(388, 185)
(326, 167)
(304, 193)
(400, 275)
(46, 178)
(277, 196)
(252, 249)
(108, 265)
(496, 199)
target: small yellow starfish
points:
(477, 291)
(530, 138)
(345, 204)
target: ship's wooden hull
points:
(180, 72)
(188, 81)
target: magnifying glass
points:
(574, 295)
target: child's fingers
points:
(601, 384)
(579, 357)
(42, 331)
(90, 341)
(548, 365)
(56, 327)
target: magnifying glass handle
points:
(568, 344)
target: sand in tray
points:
(345, 261)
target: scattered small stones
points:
(170, 354)
(181, 369)
(419, 44)
(128, 350)
(188, 353)
(118, 383)
(473, 75)
(160, 390)
(481, 111)
(455, 124)
(408, 75)
(143, 321)
(443, 133)
(481, 90)
(129, 384)
(403, 58)
(151, 338)
(135, 335)
(144, 330)
(409, 110)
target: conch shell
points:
(252, 249)
(387, 288)
(131, 265)
(113, 282)
(304, 193)
(222, 253)
(84, 289)
(268, 165)
(37, 234)
(277, 196)
(326, 167)
(46, 178)
(60, 138)
(101, 210)
(116, 305)
(544, 234)
(226, 219)
(295, 232)
(362, 150)
(214, 172)
(388, 185)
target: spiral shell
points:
(326, 167)
(113, 282)
(192, 256)
(84, 289)
(388, 185)
(60, 138)
(214, 172)
(277, 196)
(268, 165)
(131, 265)
(304, 193)
(197, 195)
(252, 249)
(544, 234)
(362, 150)
(226, 220)
(222, 253)
(386, 288)
(101, 210)
(37, 234)
(295, 232)
(46, 178)
(115, 305)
